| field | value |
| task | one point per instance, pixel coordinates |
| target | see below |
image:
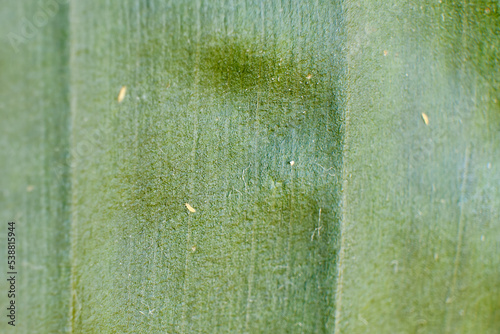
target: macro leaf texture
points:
(241, 166)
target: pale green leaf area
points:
(34, 172)
(324, 203)
(420, 222)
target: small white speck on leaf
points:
(395, 263)
(309, 76)
(425, 118)
(121, 95)
(190, 208)
(193, 249)
(292, 163)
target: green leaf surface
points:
(420, 218)
(324, 202)
(34, 164)
(218, 104)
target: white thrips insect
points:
(121, 95)
(189, 207)
(425, 118)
